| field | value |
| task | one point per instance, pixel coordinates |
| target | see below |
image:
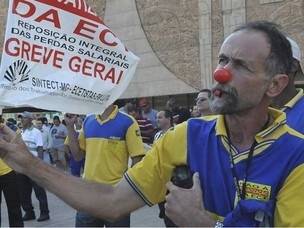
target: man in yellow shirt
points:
(106, 141)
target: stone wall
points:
(172, 30)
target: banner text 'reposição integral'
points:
(59, 55)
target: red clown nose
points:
(222, 75)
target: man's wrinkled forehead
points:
(246, 43)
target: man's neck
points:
(206, 113)
(26, 127)
(242, 130)
(107, 112)
(166, 128)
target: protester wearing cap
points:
(291, 99)
(148, 112)
(27, 115)
(296, 52)
(33, 140)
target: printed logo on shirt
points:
(256, 191)
(53, 131)
(112, 145)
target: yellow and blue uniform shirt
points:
(275, 175)
(294, 110)
(108, 145)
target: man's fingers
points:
(4, 146)
(170, 186)
(9, 138)
(6, 131)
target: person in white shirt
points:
(164, 121)
(45, 139)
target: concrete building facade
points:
(178, 40)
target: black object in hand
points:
(182, 177)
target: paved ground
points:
(63, 215)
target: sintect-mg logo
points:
(17, 72)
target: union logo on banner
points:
(59, 55)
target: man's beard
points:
(226, 103)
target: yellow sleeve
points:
(18, 131)
(82, 140)
(4, 168)
(149, 177)
(134, 141)
(290, 201)
(67, 141)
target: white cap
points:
(296, 54)
(28, 115)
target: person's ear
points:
(277, 85)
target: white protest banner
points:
(59, 55)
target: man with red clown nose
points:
(248, 164)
